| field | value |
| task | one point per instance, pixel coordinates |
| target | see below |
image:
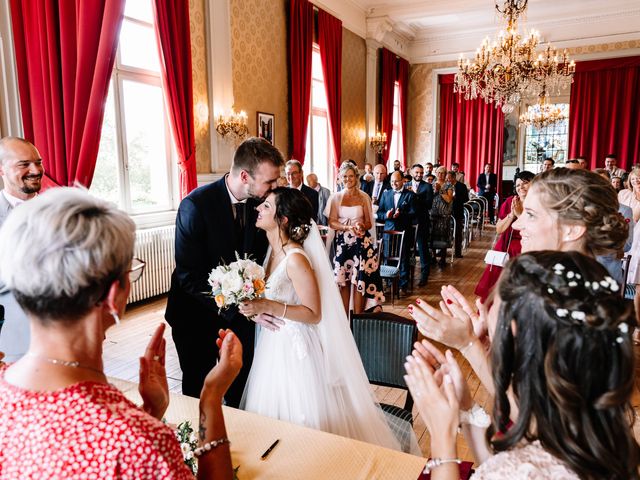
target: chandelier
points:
(510, 66)
(379, 142)
(233, 126)
(543, 114)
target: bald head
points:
(20, 167)
(380, 173)
(397, 180)
(312, 180)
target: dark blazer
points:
(406, 206)
(205, 237)
(365, 186)
(423, 201)
(312, 195)
(460, 197)
(484, 187)
(386, 185)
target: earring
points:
(116, 317)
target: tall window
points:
(319, 157)
(135, 167)
(395, 146)
(546, 142)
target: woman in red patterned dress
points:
(67, 257)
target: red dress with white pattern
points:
(87, 431)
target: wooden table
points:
(302, 453)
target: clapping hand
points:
(390, 213)
(397, 213)
(153, 386)
(516, 206)
(458, 305)
(220, 378)
(359, 229)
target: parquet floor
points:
(125, 343)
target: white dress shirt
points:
(396, 197)
(13, 201)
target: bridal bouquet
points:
(239, 281)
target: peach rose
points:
(258, 286)
(219, 300)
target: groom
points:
(214, 222)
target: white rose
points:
(216, 276)
(231, 282)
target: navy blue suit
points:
(488, 190)
(404, 222)
(206, 236)
(423, 203)
(312, 196)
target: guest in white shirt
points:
(21, 171)
(610, 165)
(380, 183)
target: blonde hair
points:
(585, 198)
(346, 166)
(60, 252)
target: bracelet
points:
(464, 349)
(207, 447)
(436, 462)
(285, 311)
(476, 416)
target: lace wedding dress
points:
(311, 374)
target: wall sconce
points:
(379, 142)
(232, 126)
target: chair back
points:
(392, 244)
(384, 341)
(626, 264)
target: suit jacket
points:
(386, 185)
(312, 196)
(484, 187)
(406, 206)
(205, 238)
(366, 187)
(323, 198)
(15, 334)
(423, 202)
(460, 197)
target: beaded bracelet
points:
(436, 462)
(207, 447)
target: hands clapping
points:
(221, 376)
(153, 387)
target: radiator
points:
(156, 247)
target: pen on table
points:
(268, 451)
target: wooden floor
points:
(125, 343)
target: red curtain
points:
(388, 65)
(174, 40)
(403, 82)
(604, 111)
(64, 54)
(300, 50)
(471, 133)
(330, 43)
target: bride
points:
(306, 367)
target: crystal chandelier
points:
(379, 142)
(233, 126)
(505, 69)
(543, 114)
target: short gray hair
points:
(61, 251)
(294, 163)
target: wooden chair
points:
(393, 241)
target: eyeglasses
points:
(137, 267)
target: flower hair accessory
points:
(301, 230)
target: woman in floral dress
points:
(355, 263)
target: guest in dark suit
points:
(460, 197)
(396, 209)
(422, 205)
(379, 184)
(213, 223)
(487, 188)
(293, 172)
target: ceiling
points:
(437, 30)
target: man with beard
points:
(215, 222)
(21, 171)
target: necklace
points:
(65, 363)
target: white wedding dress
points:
(311, 374)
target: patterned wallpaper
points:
(354, 91)
(421, 108)
(200, 93)
(259, 63)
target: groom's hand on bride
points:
(221, 376)
(269, 321)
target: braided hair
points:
(563, 343)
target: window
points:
(135, 165)
(319, 158)
(546, 142)
(395, 147)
